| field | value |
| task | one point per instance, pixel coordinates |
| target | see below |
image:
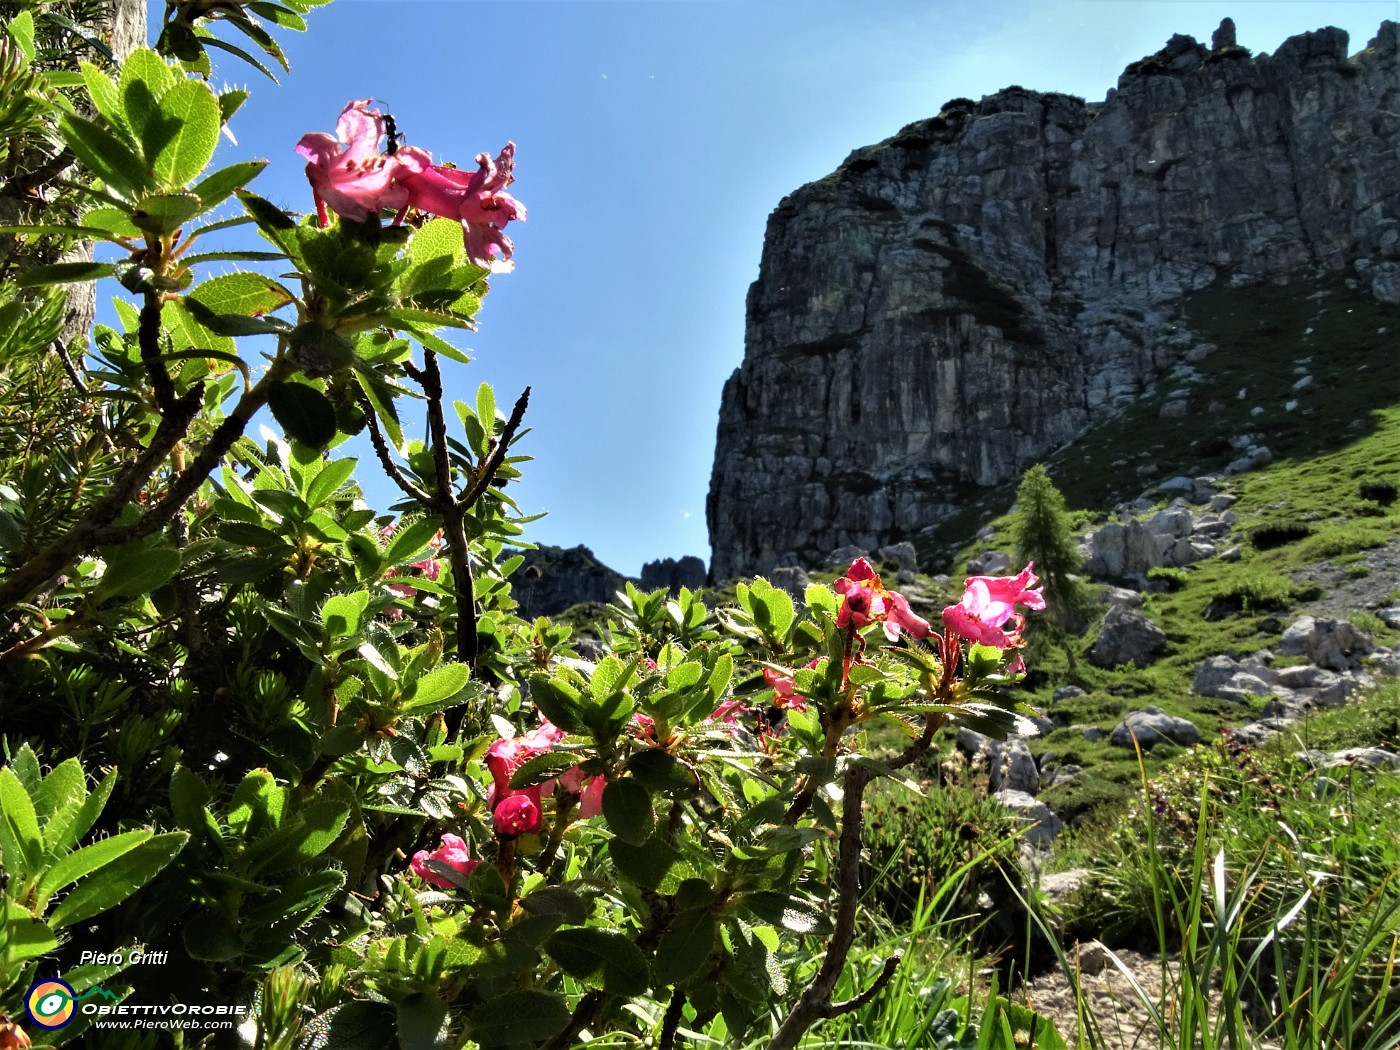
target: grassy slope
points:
(1343, 433)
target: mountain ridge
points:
(974, 292)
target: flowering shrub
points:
(299, 696)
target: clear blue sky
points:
(654, 138)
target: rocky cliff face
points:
(955, 302)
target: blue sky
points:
(653, 139)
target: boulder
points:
(1126, 636)
(792, 579)
(1152, 726)
(1333, 644)
(1228, 679)
(1045, 824)
(1010, 764)
(903, 557)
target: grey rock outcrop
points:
(1333, 644)
(673, 574)
(1045, 824)
(958, 300)
(551, 579)
(1009, 762)
(1126, 636)
(1152, 726)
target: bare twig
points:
(815, 1002)
(674, 1012)
(26, 580)
(583, 1016)
(886, 975)
(381, 449)
(148, 335)
(486, 474)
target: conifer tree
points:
(1042, 533)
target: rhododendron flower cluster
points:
(987, 613)
(518, 811)
(866, 601)
(349, 174)
(453, 853)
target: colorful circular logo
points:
(50, 1003)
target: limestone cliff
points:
(955, 302)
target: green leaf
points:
(257, 805)
(145, 77)
(439, 684)
(230, 102)
(304, 413)
(561, 703)
(789, 912)
(189, 801)
(64, 273)
(211, 937)
(357, 1025)
(21, 841)
(108, 157)
(303, 837)
(518, 1017)
(381, 399)
(219, 185)
(603, 958)
(654, 865)
(423, 1023)
(628, 811)
(103, 92)
(164, 213)
(234, 49)
(557, 900)
(69, 869)
(343, 614)
(136, 569)
(686, 946)
(118, 880)
(25, 936)
(663, 772)
(295, 901)
(63, 789)
(541, 768)
(179, 141)
(328, 481)
(68, 825)
(609, 676)
(250, 294)
(21, 30)
(486, 407)
(410, 541)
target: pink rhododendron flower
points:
(347, 171)
(588, 789)
(987, 613)
(518, 814)
(644, 727)
(452, 852)
(729, 711)
(1014, 590)
(785, 692)
(866, 601)
(476, 199)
